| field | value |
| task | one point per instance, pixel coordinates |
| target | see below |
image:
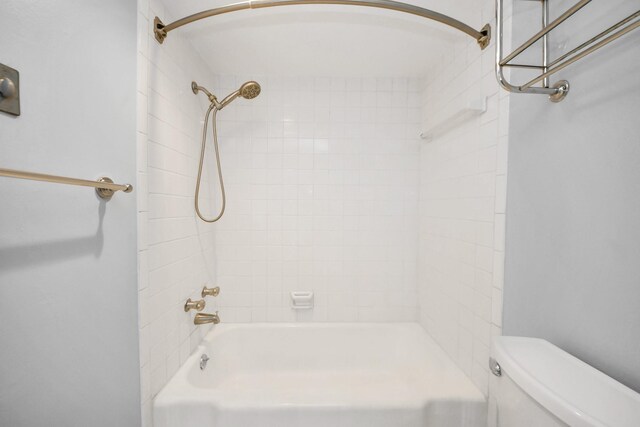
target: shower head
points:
(248, 90)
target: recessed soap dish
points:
(302, 300)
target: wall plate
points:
(9, 90)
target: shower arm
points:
(483, 37)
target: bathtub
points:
(319, 375)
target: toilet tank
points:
(536, 384)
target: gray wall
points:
(68, 293)
(573, 216)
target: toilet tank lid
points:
(573, 391)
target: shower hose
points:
(212, 108)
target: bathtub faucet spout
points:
(204, 318)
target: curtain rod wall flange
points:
(482, 37)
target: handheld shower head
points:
(248, 90)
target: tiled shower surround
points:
(462, 207)
(330, 190)
(322, 182)
(176, 252)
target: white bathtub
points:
(319, 375)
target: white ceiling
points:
(324, 39)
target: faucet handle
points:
(213, 292)
(194, 305)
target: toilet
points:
(536, 384)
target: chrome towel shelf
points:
(558, 91)
(105, 188)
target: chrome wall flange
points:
(562, 87)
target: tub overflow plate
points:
(495, 367)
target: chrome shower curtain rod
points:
(482, 37)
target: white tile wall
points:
(176, 252)
(462, 205)
(329, 189)
(322, 180)
(322, 184)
